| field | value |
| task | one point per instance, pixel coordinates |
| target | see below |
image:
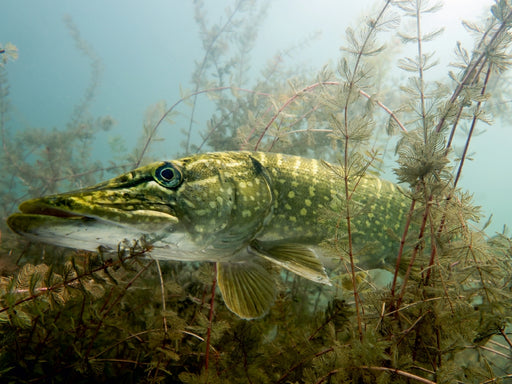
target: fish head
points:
(185, 208)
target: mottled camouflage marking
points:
(383, 210)
(303, 189)
(226, 199)
(239, 209)
(306, 190)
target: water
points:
(122, 327)
(147, 53)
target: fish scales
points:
(307, 191)
(241, 210)
(303, 190)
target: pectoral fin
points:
(247, 287)
(294, 257)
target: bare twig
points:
(210, 319)
(310, 88)
(469, 75)
(400, 372)
(170, 109)
(202, 67)
(162, 291)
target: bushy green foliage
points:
(442, 314)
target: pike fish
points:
(242, 210)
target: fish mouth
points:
(43, 212)
(87, 226)
(35, 208)
(34, 214)
(130, 206)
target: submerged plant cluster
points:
(438, 308)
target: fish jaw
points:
(78, 232)
(116, 207)
(81, 232)
(215, 207)
(127, 207)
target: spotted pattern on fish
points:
(239, 209)
(306, 190)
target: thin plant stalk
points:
(202, 69)
(210, 319)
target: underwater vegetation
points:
(438, 308)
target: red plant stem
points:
(346, 167)
(503, 333)
(401, 249)
(468, 76)
(210, 318)
(389, 111)
(310, 88)
(288, 102)
(172, 107)
(471, 75)
(471, 130)
(433, 248)
(415, 251)
(461, 163)
(349, 236)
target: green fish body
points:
(241, 210)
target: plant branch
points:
(310, 88)
(203, 67)
(210, 319)
(469, 74)
(472, 129)
(170, 109)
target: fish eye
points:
(168, 175)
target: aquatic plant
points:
(443, 311)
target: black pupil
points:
(167, 174)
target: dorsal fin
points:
(296, 258)
(247, 287)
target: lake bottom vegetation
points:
(431, 305)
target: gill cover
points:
(223, 200)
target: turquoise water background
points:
(148, 50)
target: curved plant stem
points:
(172, 107)
(388, 111)
(162, 290)
(469, 75)
(202, 69)
(210, 319)
(310, 88)
(279, 111)
(287, 103)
